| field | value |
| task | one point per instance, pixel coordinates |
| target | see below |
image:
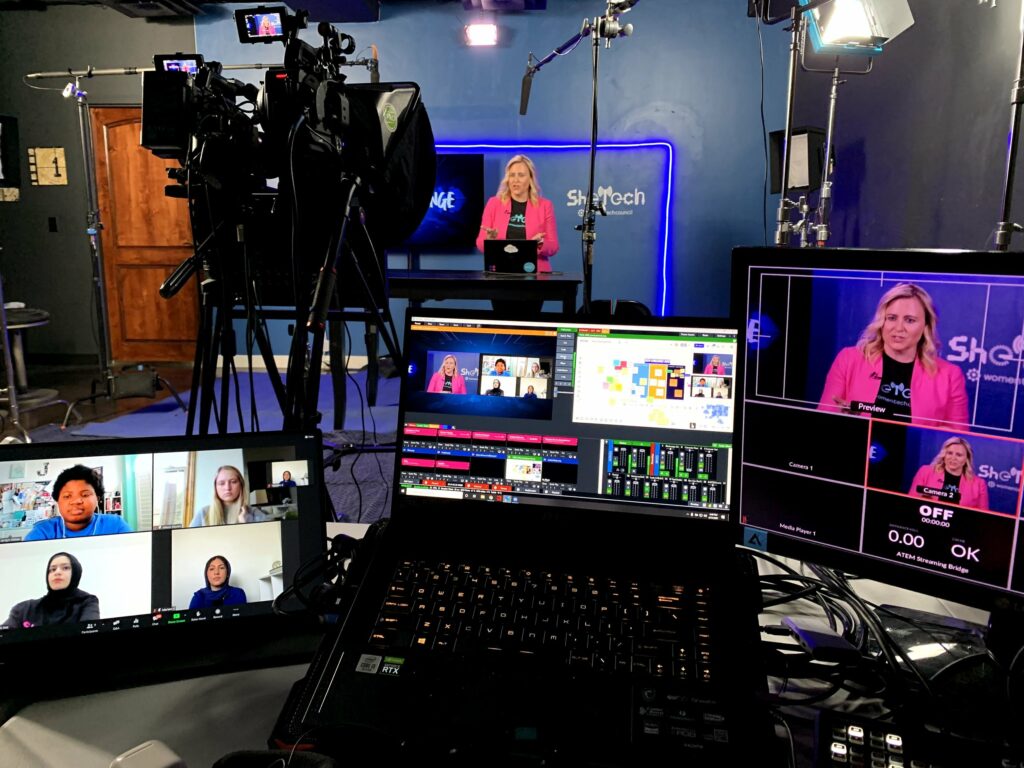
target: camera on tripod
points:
(295, 187)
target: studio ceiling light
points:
(482, 34)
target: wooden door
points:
(145, 236)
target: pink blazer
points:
(437, 383)
(539, 218)
(941, 396)
(973, 491)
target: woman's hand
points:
(539, 237)
(491, 234)
(843, 404)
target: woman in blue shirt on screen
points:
(218, 591)
(78, 492)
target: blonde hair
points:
(939, 462)
(871, 343)
(215, 515)
(455, 361)
(534, 191)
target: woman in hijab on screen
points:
(63, 603)
(218, 591)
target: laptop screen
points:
(593, 415)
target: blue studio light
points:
(856, 27)
(654, 144)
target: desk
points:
(439, 285)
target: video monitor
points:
(263, 24)
(153, 544)
(189, 63)
(456, 206)
(569, 413)
(883, 426)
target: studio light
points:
(481, 34)
(858, 27)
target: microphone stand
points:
(604, 27)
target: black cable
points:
(362, 417)
(889, 647)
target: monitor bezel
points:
(868, 259)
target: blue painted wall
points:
(690, 75)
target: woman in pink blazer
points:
(952, 470)
(904, 331)
(519, 188)
(447, 380)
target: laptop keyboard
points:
(596, 623)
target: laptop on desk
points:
(558, 580)
(514, 257)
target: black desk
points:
(438, 285)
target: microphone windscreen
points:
(524, 94)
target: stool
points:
(12, 322)
(18, 319)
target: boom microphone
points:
(524, 94)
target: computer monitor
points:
(122, 560)
(570, 413)
(456, 206)
(883, 428)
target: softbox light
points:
(858, 27)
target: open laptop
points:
(558, 579)
(513, 257)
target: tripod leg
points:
(174, 393)
(227, 335)
(336, 355)
(263, 342)
(372, 364)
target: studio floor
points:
(75, 381)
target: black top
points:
(951, 485)
(517, 222)
(71, 608)
(894, 390)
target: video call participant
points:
(500, 368)
(63, 603)
(228, 505)
(895, 365)
(715, 366)
(518, 212)
(78, 492)
(447, 379)
(529, 394)
(218, 591)
(286, 480)
(952, 470)
(536, 372)
(495, 390)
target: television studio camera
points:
(354, 168)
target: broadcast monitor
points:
(883, 426)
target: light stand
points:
(112, 386)
(604, 27)
(1005, 228)
(818, 221)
